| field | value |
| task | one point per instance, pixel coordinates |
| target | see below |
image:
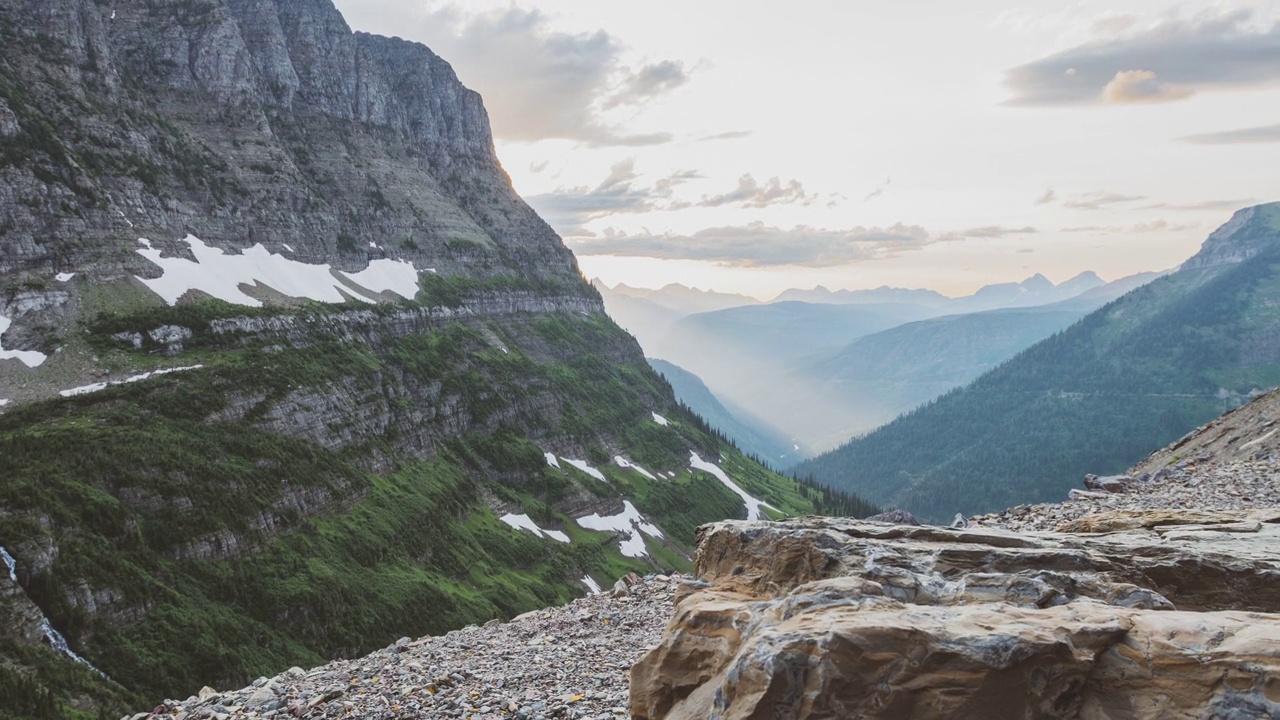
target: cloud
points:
(730, 135)
(539, 82)
(1048, 197)
(1130, 87)
(995, 231)
(1098, 199)
(1147, 227)
(538, 167)
(752, 194)
(1112, 23)
(1243, 136)
(569, 209)
(1204, 205)
(879, 190)
(1161, 63)
(650, 82)
(760, 245)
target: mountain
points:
(1136, 374)
(751, 435)
(823, 373)
(685, 300)
(878, 377)
(287, 368)
(1035, 290)
(882, 294)
(650, 314)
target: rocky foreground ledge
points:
(563, 662)
(1159, 614)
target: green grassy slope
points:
(222, 549)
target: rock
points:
(1120, 520)
(263, 699)
(1076, 494)
(1110, 484)
(895, 517)
(833, 618)
(207, 693)
(959, 522)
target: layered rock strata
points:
(1172, 616)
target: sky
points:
(751, 147)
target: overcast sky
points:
(754, 146)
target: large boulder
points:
(833, 618)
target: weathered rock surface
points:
(832, 618)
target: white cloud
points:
(1164, 62)
(539, 82)
(1155, 226)
(761, 245)
(752, 194)
(1243, 136)
(1098, 199)
(1131, 87)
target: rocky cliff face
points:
(1172, 618)
(252, 121)
(1249, 232)
(287, 369)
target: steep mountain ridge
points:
(1136, 374)
(287, 369)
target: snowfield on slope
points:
(586, 468)
(95, 387)
(221, 275)
(753, 504)
(629, 521)
(628, 465)
(524, 522)
(30, 358)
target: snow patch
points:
(584, 467)
(660, 420)
(30, 358)
(64, 277)
(3, 402)
(221, 275)
(753, 504)
(397, 276)
(591, 584)
(288, 247)
(524, 522)
(627, 464)
(551, 460)
(629, 521)
(95, 387)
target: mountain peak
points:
(1250, 231)
(1037, 282)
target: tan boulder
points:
(830, 618)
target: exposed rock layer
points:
(824, 618)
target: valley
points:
(305, 412)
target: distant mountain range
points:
(1134, 375)
(823, 366)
